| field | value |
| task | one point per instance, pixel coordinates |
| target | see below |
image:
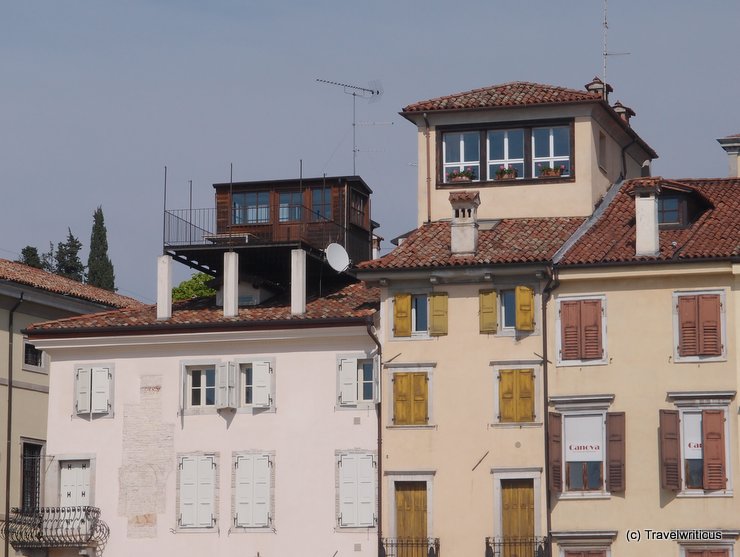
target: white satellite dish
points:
(337, 257)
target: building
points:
(27, 296)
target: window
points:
(93, 390)
(357, 381)
(698, 322)
(581, 338)
(505, 150)
(321, 204)
(461, 152)
(410, 398)
(420, 314)
(669, 210)
(202, 386)
(587, 452)
(551, 149)
(31, 476)
(33, 358)
(516, 395)
(197, 493)
(708, 552)
(693, 449)
(256, 384)
(251, 207)
(357, 490)
(253, 490)
(358, 209)
(515, 312)
(291, 205)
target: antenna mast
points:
(355, 91)
(605, 51)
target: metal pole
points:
(164, 212)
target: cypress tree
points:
(67, 257)
(30, 256)
(99, 266)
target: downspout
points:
(552, 284)
(429, 175)
(370, 327)
(624, 158)
(8, 459)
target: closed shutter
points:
(524, 301)
(188, 491)
(402, 315)
(670, 450)
(348, 381)
(555, 451)
(713, 445)
(688, 330)
(710, 335)
(615, 451)
(206, 491)
(402, 398)
(83, 390)
(244, 490)
(507, 396)
(525, 395)
(366, 490)
(420, 391)
(570, 329)
(516, 395)
(591, 348)
(261, 516)
(348, 466)
(487, 311)
(438, 310)
(262, 385)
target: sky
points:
(98, 96)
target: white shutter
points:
(188, 491)
(206, 491)
(348, 465)
(347, 382)
(83, 483)
(233, 380)
(222, 386)
(183, 389)
(100, 390)
(261, 515)
(244, 490)
(365, 490)
(68, 484)
(376, 379)
(262, 385)
(82, 386)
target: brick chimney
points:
(647, 239)
(464, 229)
(597, 86)
(625, 112)
(731, 144)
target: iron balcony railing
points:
(50, 527)
(409, 547)
(517, 547)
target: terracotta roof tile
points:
(351, 302)
(509, 241)
(43, 280)
(714, 234)
(464, 195)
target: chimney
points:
(597, 86)
(464, 228)
(731, 144)
(625, 112)
(297, 282)
(647, 241)
(164, 287)
(231, 284)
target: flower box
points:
(460, 179)
(506, 175)
(551, 172)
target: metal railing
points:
(50, 527)
(409, 547)
(517, 547)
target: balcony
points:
(517, 547)
(52, 527)
(409, 547)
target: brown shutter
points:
(402, 315)
(591, 330)
(524, 301)
(688, 330)
(615, 451)
(401, 398)
(438, 311)
(555, 450)
(419, 404)
(710, 335)
(487, 311)
(570, 327)
(713, 447)
(670, 450)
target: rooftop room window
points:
(357, 209)
(291, 204)
(551, 149)
(251, 207)
(461, 156)
(321, 204)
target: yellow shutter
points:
(524, 301)
(401, 398)
(506, 395)
(402, 315)
(516, 395)
(487, 311)
(525, 398)
(438, 310)
(419, 404)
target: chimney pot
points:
(464, 228)
(297, 282)
(231, 284)
(625, 112)
(731, 145)
(164, 287)
(647, 238)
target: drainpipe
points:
(624, 157)
(8, 459)
(429, 176)
(552, 284)
(369, 326)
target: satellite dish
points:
(337, 257)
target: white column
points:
(297, 282)
(164, 287)
(231, 284)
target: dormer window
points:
(671, 211)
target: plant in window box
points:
(547, 171)
(465, 175)
(504, 173)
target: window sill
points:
(434, 426)
(694, 494)
(252, 530)
(35, 369)
(575, 495)
(414, 337)
(515, 333)
(200, 530)
(505, 183)
(355, 529)
(213, 411)
(360, 406)
(699, 359)
(582, 363)
(515, 425)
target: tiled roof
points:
(464, 195)
(353, 302)
(508, 241)
(517, 93)
(715, 234)
(43, 280)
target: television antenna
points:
(605, 52)
(372, 92)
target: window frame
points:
(241, 385)
(203, 388)
(215, 497)
(292, 210)
(270, 526)
(585, 493)
(321, 208)
(90, 414)
(360, 401)
(559, 332)
(677, 294)
(537, 408)
(39, 472)
(356, 527)
(262, 211)
(43, 367)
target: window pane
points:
(541, 139)
(210, 396)
(471, 142)
(32, 355)
(420, 307)
(516, 144)
(561, 141)
(496, 145)
(210, 377)
(695, 473)
(519, 168)
(593, 471)
(195, 397)
(196, 378)
(508, 307)
(367, 391)
(575, 475)
(452, 147)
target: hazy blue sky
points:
(97, 96)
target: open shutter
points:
(233, 384)
(402, 315)
(101, 377)
(555, 451)
(183, 390)
(262, 383)
(420, 404)
(188, 491)
(615, 451)
(670, 450)
(524, 301)
(710, 335)
(348, 467)
(82, 386)
(525, 395)
(688, 330)
(713, 445)
(570, 330)
(222, 386)
(402, 398)
(348, 381)
(206, 491)
(261, 516)
(365, 490)
(487, 311)
(244, 490)
(591, 348)
(438, 310)
(506, 395)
